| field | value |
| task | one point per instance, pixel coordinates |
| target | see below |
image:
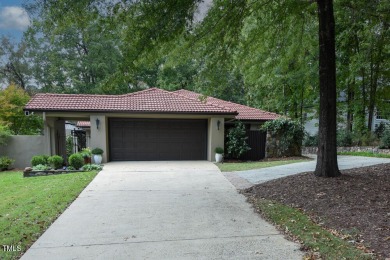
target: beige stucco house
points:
(152, 124)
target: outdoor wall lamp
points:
(97, 123)
(218, 124)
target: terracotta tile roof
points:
(151, 100)
(83, 124)
(244, 112)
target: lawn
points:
(28, 206)
(243, 166)
(300, 227)
(366, 154)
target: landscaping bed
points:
(47, 172)
(354, 206)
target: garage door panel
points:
(154, 139)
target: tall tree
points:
(264, 53)
(14, 66)
(72, 52)
(362, 43)
(327, 149)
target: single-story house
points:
(152, 124)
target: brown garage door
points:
(155, 139)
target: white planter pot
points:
(218, 157)
(97, 158)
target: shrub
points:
(219, 150)
(236, 141)
(344, 138)
(39, 159)
(70, 168)
(55, 161)
(369, 139)
(380, 130)
(46, 157)
(86, 153)
(69, 145)
(76, 160)
(5, 133)
(92, 167)
(286, 137)
(310, 140)
(40, 167)
(5, 162)
(385, 140)
(97, 151)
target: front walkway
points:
(161, 210)
(246, 179)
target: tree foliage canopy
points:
(256, 52)
(12, 101)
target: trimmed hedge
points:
(55, 161)
(76, 161)
(39, 159)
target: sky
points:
(14, 19)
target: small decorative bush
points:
(69, 145)
(39, 159)
(70, 168)
(76, 161)
(55, 161)
(92, 167)
(236, 141)
(219, 150)
(369, 139)
(97, 151)
(41, 167)
(46, 157)
(284, 138)
(5, 133)
(344, 138)
(385, 140)
(380, 130)
(5, 162)
(310, 140)
(86, 153)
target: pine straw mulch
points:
(356, 204)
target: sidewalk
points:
(246, 179)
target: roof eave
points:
(129, 111)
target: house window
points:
(380, 115)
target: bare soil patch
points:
(356, 204)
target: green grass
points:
(310, 234)
(29, 205)
(243, 166)
(367, 154)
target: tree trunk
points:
(327, 150)
(375, 70)
(350, 98)
(371, 101)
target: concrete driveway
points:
(161, 210)
(246, 179)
